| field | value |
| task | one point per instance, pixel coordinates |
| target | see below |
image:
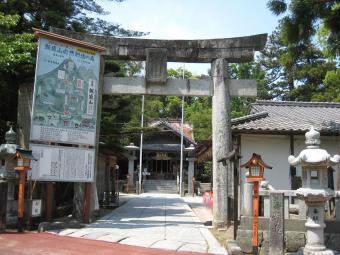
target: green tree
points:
(71, 14)
(198, 113)
(293, 73)
(303, 18)
(17, 49)
(330, 91)
(301, 64)
(16, 66)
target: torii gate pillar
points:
(221, 140)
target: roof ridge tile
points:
(295, 103)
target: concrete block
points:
(113, 238)
(67, 231)
(193, 247)
(243, 239)
(294, 240)
(138, 241)
(95, 235)
(233, 248)
(167, 244)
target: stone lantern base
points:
(315, 200)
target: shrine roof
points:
(175, 126)
(162, 147)
(290, 117)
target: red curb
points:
(46, 243)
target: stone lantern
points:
(8, 179)
(191, 168)
(314, 162)
(255, 166)
(131, 148)
(23, 158)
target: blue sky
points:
(192, 19)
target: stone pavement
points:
(162, 221)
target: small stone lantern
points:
(255, 166)
(314, 162)
(23, 158)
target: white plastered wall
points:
(274, 150)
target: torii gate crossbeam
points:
(157, 53)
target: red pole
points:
(87, 202)
(49, 201)
(255, 217)
(21, 196)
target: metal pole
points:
(141, 149)
(182, 123)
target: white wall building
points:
(275, 130)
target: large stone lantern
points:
(314, 162)
(191, 168)
(131, 148)
(8, 180)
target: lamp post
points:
(256, 167)
(23, 158)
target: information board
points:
(36, 208)
(64, 164)
(65, 94)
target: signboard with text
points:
(65, 94)
(61, 163)
(36, 208)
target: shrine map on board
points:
(65, 94)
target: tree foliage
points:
(293, 74)
(303, 19)
(18, 48)
(74, 15)
(16, 66)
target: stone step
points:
(160, 187)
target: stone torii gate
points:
(157, 53)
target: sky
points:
(192, 19)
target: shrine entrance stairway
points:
(160, 186)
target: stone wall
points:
(294, 235)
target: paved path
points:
(152, 220)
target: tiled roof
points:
(287, 117)
(175, 125)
